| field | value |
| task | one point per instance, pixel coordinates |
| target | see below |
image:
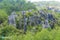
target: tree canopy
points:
(16, 5)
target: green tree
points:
(17, 5)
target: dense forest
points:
(21, 20)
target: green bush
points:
(3, 16)
(57, 37)
(43, 35)
(9, 30)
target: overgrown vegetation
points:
(10, 32)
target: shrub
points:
(9, 30)
(43, 35)
(3, 16)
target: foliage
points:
(10, 32)
(3, 16)
(43, 35)
(16, 5)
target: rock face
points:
(25, 25)
(46, 24)
(33, 20)
(23, 22)
(11, 19)
(47, 17)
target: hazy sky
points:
(42, 0)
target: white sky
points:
(42, 0)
